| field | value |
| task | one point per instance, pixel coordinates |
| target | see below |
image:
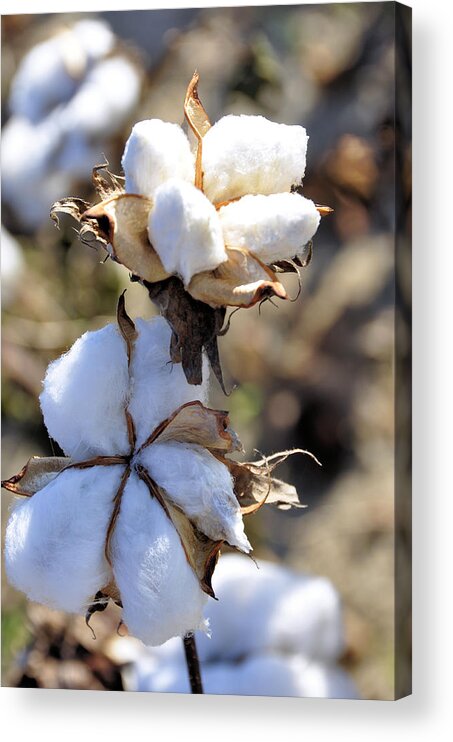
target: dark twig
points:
(193, 664)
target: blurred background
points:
(317, 373)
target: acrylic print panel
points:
(262, 209)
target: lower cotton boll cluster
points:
(138, 508)
(272, 632)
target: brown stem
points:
(193, 664)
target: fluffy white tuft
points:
(110, 91)
(158, 387)
(185, 231)
(273, 227)
(54, 543)
(160, 594)
(202, 486)
(283, 611)
(84, 396)
(156, 151)
(250, 154)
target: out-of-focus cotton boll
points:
(95, 37)
(65, 99)
(51, 72)
(195, 480)
(110, 91)
(43, 80)
(273, 227)
(285, 611)
(12, 265)
(160, 594)
(265, 674)
(185, 231)
(282, 619)
(155, 152)
(250, 154)
(54, 544)
(84, 396)
(158, 387)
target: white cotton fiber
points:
(160, 594)
(54, 543)
(101, 104)
(95, 37)
(273, 227)
(250, 154)
(263, 674)
(84, 396)
(185, 231)
(158, 387)
(201, 485)
(156, 151)
(271, 608)
(42, 80)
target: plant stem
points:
(193, 664)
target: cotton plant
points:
(70, 91)
(205, 221)
(138, 509)
(272, 632)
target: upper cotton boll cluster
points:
(65, 98)
(247, 160)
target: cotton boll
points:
(95, 37)
(158, 387)
(84, 396)
(185, 231)
(42, 80)
(273, 227)
(156, 151)
(107, 95)
(250, 154)
(160, 593)
(318, 680)
(201, 485)
(321, 635)
(285, 611)
(54, 543)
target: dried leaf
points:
(99, 604)
(36, 474)
(75, 207)
(106, 187)
(126, 327)
(194, 423)
(122, 222)
(254, 484)
(241, 281)
(196, 116)
(195, 327)
(201, 552)
(198, 121)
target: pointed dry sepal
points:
(122, 222)
(36, 474)
(195, 423)
(198, 120)
(241, 281)
(254, 484)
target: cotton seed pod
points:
(140, 523)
